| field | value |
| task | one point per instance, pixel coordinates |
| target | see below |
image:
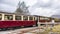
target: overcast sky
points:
(37, 7)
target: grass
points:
(55, 30)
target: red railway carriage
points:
(8, 20)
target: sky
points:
(36, 7)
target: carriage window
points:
(25, 17)
(35, 18)
(30, 18)
(18, 17)
(0, 17)
(41, 18)
(8, 17)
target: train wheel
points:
(0, 29)
(4, 29)
(34, 25)
(10, 28)
(22, 26)
(17, 27)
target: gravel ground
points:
(17, 31)
(8, 32)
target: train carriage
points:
(11, 20)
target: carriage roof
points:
(9, 13)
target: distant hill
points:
(55, 16)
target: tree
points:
(22, 9)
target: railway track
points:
(7, 29)
(25, 30)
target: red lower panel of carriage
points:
(45, 21)
(4, 24)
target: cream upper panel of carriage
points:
(11, 16)
(23, 17)
(28, 17)
(44, 18)
(8, 17)
(5, 17)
